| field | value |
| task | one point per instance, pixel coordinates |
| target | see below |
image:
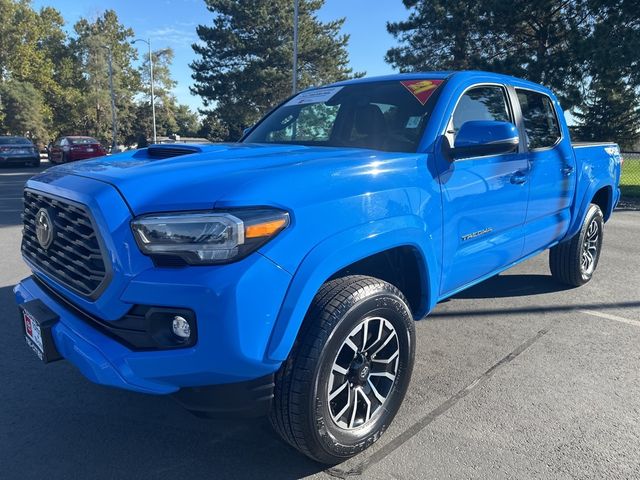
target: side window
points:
(540, 121)
(481, 103)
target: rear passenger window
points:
(540, 121)
(481, 103)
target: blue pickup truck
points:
(282, 274)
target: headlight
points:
(206, 238)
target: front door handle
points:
(566, 171)
(518, 178)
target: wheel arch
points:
(362, 250)
(604, 199)
(599, 193)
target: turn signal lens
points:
(265, 229)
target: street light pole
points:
(295, 46)
(153, 102)
(114, 119)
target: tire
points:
(573, 262)
(33, 164)
(302, 412)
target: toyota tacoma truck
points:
(282, 274)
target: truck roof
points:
(461, 75)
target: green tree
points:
(30, 46)
(213, 129)
(165, 100)
(534, 40)
(612, 62)
(89, 48)
(22, 106)
(438, 35)
(244, 59)
(171, 117)
(187, 121)
(611, 112)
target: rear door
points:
(552, 170)
(484, 199)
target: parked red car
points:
(69, 149)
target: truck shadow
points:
(82, 430)
(511, 285)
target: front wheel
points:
(348, 372)
(573, 262)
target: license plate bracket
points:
(37, 322)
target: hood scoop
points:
(169, 151)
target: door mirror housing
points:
(485, 137)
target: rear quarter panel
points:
(599, 167)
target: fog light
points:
(181, 327)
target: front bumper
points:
(235, 315)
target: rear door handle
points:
(518, 178)
(566, 171)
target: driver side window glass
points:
(481, 103)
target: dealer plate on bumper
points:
(37, 321)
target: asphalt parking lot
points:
(517, 377)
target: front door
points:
(484, 199)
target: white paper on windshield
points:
(319, 95)
(413, 122)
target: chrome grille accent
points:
(74, 258)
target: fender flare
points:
(338, 251)
(581, 211)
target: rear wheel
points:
(573, 262)
(348, 372)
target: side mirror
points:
(485, 137)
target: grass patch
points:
(630, 178)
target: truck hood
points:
(193, 181)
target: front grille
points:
(74, 257)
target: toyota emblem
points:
(44, 228)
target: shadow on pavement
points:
(76, 429)
(502, 286)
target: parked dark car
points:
(18, 150)
(70, 149)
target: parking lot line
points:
(425, 421)
(615, 318)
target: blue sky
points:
(172, 23)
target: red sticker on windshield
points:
(421, 89)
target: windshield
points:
(387, 116)
(14, 141)
(82, 140)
